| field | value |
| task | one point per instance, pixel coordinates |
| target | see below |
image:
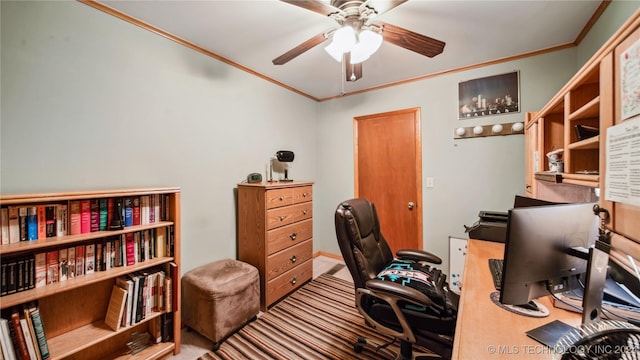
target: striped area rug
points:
(318, 321)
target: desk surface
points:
(486, 331)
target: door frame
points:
(418, 151)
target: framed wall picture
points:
(491, 95)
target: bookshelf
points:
(73, 311)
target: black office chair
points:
(402, 297)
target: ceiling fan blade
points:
(382, 6)
(307, 45)
(410, 40)
(353, 72)
(315, 6)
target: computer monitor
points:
(525, 201)
(537, 255)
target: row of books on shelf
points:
(39, 269)
(137, 295)
(22, 335)
(41, 221)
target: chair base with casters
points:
(400, 296)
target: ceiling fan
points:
(359, 15)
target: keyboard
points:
(495, 266)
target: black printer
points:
(491, 225)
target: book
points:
(109, 212)
(50, 221)
(62, 220)
(31, 271)
(128, 212)
(94, 213)
(5, 339)
(103, 208)
(15, 330)
(152, 209)
(28, 339)
(117, 221)
(53, 271)
(160, 301)
(134, 301)
(144, 209)
(74, 217)
(136, 210)
(168, 291)
(115, 310)
(129, 249)
(80, 258)
(85, 216)
(63, 258)
(90, 259)
(4, 284)
(156, 208)
(99, 249)
(127, 284)
(71, 262)
(42, 221)
(155, 329)
(32, 223)
(32, 332)
(14, 224)
(22, 220)
(21, 274)
(41, 269)
(4, 225)
(167, 326)
(38, 328)
(12, 277)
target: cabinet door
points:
(530, 155)
(624, 216)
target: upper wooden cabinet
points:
(571, 121)
(576, 120)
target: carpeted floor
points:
(319, 321)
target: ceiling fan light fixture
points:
(359, 53)
(335, 53)
(344, 39)
(370, 40)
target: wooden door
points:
(388, 172)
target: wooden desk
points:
(486, 331)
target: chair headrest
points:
(364, 213)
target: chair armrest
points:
(418, 255)
(398, 291)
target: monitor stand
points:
(591, 300)
(534, 309)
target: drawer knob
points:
(304, 194)
(281, 218)
(293, 259)
(293, 236)
(304, 212)
(281, 197)
(294, 281)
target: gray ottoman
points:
(219, 298)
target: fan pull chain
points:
(343, 75)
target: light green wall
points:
(614, 16)
(89, 101)
(469, 174)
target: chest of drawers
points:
(275, 234)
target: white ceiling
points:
(251, 33)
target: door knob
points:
(411, 205)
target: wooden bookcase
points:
(73, 311)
